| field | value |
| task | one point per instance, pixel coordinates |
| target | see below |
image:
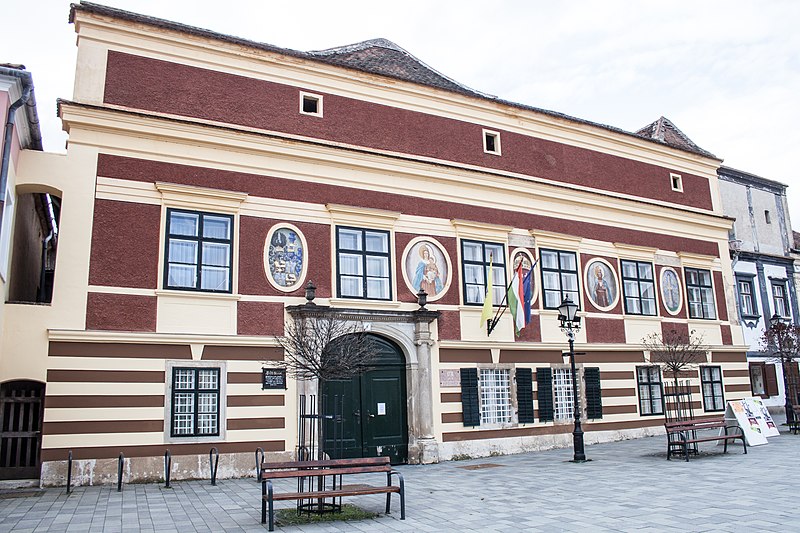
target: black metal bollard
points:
(119, 471)
(259, 460)
(69, 471)
(213, 464)
(167, 468)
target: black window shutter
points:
(594, 402)
(470, 407)
(544, 393)
(525, 396)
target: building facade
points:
(209, 179)
(766, 268)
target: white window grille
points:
(562, 392)
(495, 396)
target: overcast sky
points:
(727, 73)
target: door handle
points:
(356, 413)
(371, 415)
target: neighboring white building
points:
(766, 265)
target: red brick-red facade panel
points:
(120, 312)
(252, 274)
(125, 241)
(719, 289)
(604, 330)
(317, 193)
(165, 87)
(449, 325)
(661, 307)
(260, 318)
(681, 327)
(727, 338)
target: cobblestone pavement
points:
(627, 486)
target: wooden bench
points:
(333, 470)
(683, 433)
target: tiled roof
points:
(665, 132)
(382, 57)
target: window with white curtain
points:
(559, 277)
(564, 400)
(495, 386)
(363, 263)
(199, 251)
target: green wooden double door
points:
(372, 408)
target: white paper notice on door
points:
(381, 409)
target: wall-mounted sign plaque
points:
(273, 378)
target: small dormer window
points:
(767, 217)
(676, 182)
(310, 104)
(491, 142)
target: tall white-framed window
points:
(780, 303)
(495, 387)
(564, 405)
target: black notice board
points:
(273, 378)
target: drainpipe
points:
(27, 92)
(45, 242)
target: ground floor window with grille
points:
(648, 379)
(495, 386)
(564, 407)
(711, 380)
(195, 402)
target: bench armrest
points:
(399, 475)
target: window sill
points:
(197, 294)
(359, 303)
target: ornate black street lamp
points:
(780, 328)
(571, 324)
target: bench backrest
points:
(291, 469)
(695, 425)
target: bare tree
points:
(676, 351)
(782, 339)
(324, 348)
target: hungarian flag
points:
(520, 294)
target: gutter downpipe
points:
(27, 90)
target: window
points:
(747, 304)
(562, 393)
(310, 104)
(363, 263)
(648, 379)
(700, 294)
(476, 258)
(199, 251)
(779, 302)
(676, 182)
(638, 287)
(711, 380)
(767, 218)
(491, 142)
(559, 277)
(495, 396)
(195, 402)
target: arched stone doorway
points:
(371, 407)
